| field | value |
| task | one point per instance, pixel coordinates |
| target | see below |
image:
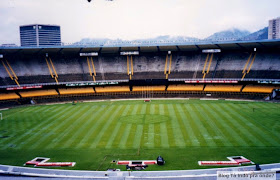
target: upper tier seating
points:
(35, 93)
(8, 96)
(76, 90)
(222, 88)
(112, 89)
(185, 87)
(259, 89)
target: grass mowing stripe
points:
(72, 142)
(144, 138)
(111, 126)
(85, 142)
(241, 131)
(106, 122)
(205, 134)
(98, 126)
(255, 135)
(157, 138)
(63, 137)
(56, 128)
(258, 127)
(150, 129)
(209, 126)
(186, 121)
(163, 129)
(151, 136)
(12, 129)
(109, 143)
(169, 128)
(177, 132)
(137, 137)
(197, 127)
(218, 125)
(118, 138)
(136, 110)
(185, 133)
(124, 137)
(233, 133)
(163, 136)
(251, 134)
(27, 135)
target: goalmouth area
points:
(93, 134)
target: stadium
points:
(100, 105)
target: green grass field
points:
(182, 131)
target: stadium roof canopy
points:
(145, 47)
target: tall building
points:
(40, 35)
(274, 29)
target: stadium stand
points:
(185, 87)
(32, 70)
(36, 93)
(107, 89)
(86, 90)
(222, 88)
(148, 88)
(8, 96)
(259, 88)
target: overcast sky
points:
(135, 19)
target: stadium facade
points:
(40, 35)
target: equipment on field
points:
(160, 160)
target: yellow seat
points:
(222, 88)
(8, 96)
(50, 92)
(86, 90)
(148, 88)
(108, 89)
(185, 87)
(259, 88)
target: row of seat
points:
(112, 89)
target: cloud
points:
(134, 19)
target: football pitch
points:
(92, 134)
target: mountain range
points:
(227, 35)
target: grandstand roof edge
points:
(147, 45)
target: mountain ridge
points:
(230, 34)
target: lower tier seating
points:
(112, 89)
(259, 89)
(76, 90)
(148, 88)
(185, 87)
(35, 93)
(8, 96)
(222, 88)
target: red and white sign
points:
(218, 163)
(42, 162)
(56, 164)
(214, 81)
(24, 87)
(132, 163)
(233, 161)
